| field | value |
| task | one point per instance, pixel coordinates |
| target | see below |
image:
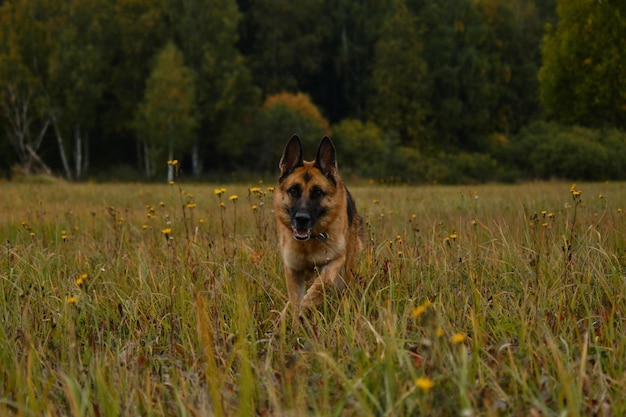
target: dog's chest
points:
(312, 254)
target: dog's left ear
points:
(326, 159)
(292, 156)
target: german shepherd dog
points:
(319, 229)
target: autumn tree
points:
(582, 79)
(166, 118)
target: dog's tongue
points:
(301, 234)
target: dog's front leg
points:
(295, 288)
(329, 278)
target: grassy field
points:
(154, 300)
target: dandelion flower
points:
(233, 198)
(219, 191)
(458, 338)
(72, 300)
(191, 205)
(424, 383)
(167, 231)
(439, 332)
(81, 279)
(270, 189)
(419, 310)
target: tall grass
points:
(164, 300)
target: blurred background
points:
(418, 91)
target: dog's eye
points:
(294, 192)
(317, 193)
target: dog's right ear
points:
(292, 157)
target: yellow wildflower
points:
(81, 280)
(72, 300)
(424, 383)
(419, 310)
(233, 198)
(458, 338)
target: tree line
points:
(412, 90)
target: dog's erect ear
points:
(326, 159)
(292, 156)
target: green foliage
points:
(24, 44)
(207, 34)
(482, 62)
(582, 77)
(398, 102)
(548, 150)
(166, 119)
(365, 148)
(284, 42)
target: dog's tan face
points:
(306, 190)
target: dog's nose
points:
(302, 218)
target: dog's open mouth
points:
(301, 234)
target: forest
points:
(417, 91)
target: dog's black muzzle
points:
(301, 225)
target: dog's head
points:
(307, 188)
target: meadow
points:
(164, 300)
